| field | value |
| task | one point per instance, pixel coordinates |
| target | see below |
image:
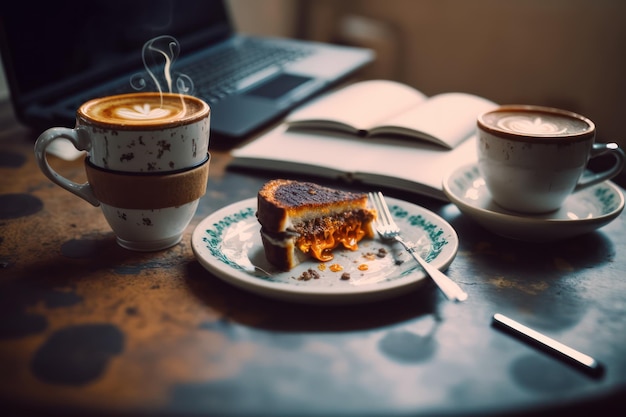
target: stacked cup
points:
(147, 163)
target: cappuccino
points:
(144, 110)
(145, 132)
(532, 158)
(526, 123)
(147, 163)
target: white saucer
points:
(228, 244)
(582, 212)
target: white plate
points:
(582, 212)
(228, 244)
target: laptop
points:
(71, 51)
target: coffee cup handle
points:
(598, 149)
(81, 141)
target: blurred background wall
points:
(565, 53)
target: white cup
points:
(147, 163)
(532, 157)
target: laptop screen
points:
(68, 45)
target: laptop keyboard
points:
(223, 73)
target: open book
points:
(386, 108)
(416, 163)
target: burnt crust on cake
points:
(281, 201)
(300, 220)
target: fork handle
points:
(445, 284)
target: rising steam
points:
(158, 55)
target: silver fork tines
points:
(389, 230)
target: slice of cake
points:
(300, 220)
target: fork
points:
(389, 230)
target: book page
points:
(412, 166)
(420, 168)
(448, 117)
(360, 105)
(295, 151)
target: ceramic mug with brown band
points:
(147, 163)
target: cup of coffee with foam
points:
(147, 163)
(532, 157)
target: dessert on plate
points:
(304, 220)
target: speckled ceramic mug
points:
(147, 163)
(532, 158)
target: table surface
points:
(87, 327)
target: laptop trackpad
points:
(278, 86)
(239, 115)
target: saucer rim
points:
(489, 218)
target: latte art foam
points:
(523, 124)
(536, 123)
(143, 110)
